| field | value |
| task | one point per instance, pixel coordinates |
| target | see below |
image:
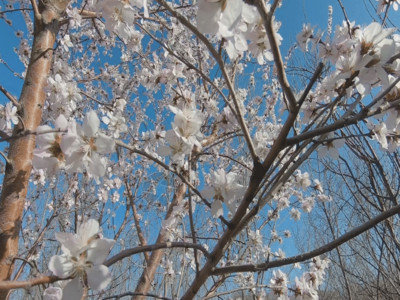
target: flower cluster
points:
(236, 22)
(224, 189)
(82, 259)
(184, 135)
(78, 149)
(8, 117)
(384, 5)
(367, 58)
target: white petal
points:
(98, 277)
(104, 144)
(69, 143)
(216, 209)
(99, 250)
(91, 124)
(73, 290)
(207, 16)
(231, 14)
(97, 165)
(71, 243)
(44, 139)
(75, 162)
(87, 230)
(52, 293)
(61, 266)
(250, 14)
(61, 122)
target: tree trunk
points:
(18, 169)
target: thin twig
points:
(136, 294)
(267, 17)
(221, 64)
(128, 252)
(10, 97)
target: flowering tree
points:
(162, 144)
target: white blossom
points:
(83, 145)
(82, 258)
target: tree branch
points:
(319, 251)
(12, 284)
(128, 252)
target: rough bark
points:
(147, 277)
(18, 169)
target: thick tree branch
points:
(319, 251)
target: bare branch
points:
(12, 284)
(319, 251)
(128, 252)
(10, 97)
(267, 17)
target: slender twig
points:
(139, 231)
(345, 17)
(267, 17)
(128, 252)
(108, 105)
(136, 294)
(5, 158)
(10, 97)
(192, 227)
(351, 120)
(221, 64)
(166, 167)
(230, 292)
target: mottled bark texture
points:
(31, 101)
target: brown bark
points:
(20, 153)
(147, 277)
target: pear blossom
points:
(224, 188)
(177, 148)
(278, 284)
(48, 154)
(304, 36)
(295, 214)
(82, 259)
(215, 16)
(53, 293)
(302, 179)
(184, 135)
(8, 116)
(187, 123)
(82, 146)
(119, 15)
(233, 20)
(331, 147)
(383, 4)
